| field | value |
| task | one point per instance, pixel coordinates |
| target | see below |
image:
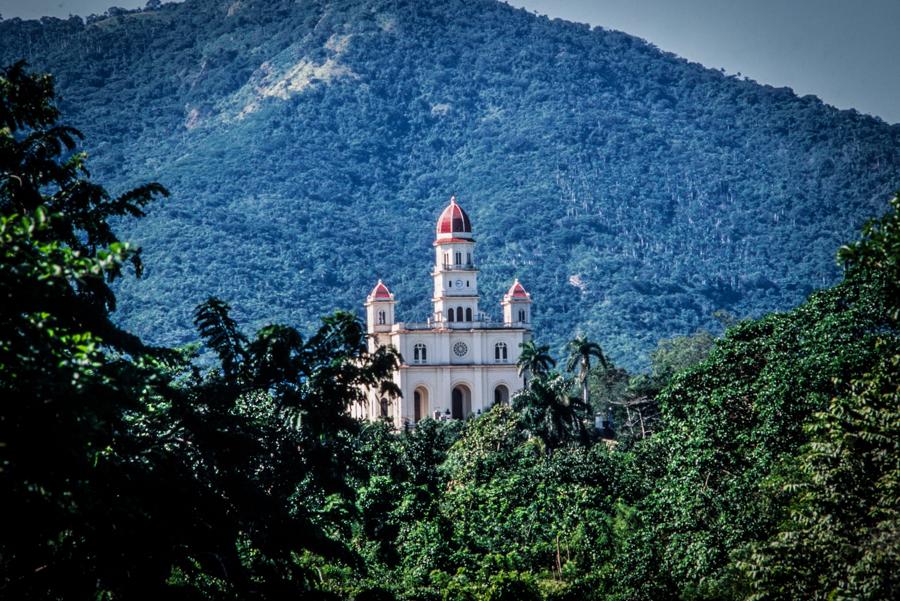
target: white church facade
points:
(458, 363)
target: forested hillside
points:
(309, 146)
(762, 465)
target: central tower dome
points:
(454, 223)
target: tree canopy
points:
(633, 192)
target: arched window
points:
(382, 318)
(420, 353)
(459, 314)
(450, 314)
(501, 395)
(500, 353)
(522, 315)
(461, 402)
(420, 404)
(384, 407)
(468, 314)
(459, 258)
(469, 258)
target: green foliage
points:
(633, 192)
(633, 401)
(550, 412)
(844, 511)
(65, 384)
(220, 333)
(674, 355)
(581, 351)
(511, 586)
(732, 422)
(608, 386)
(511, 516)
(771, 473)
(130, 473)
(534, 361)
(877, 255)
(840, 538)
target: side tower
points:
(379, 309)
(379, 326)
(516, 305)
(455, 276)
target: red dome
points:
(380, 292)
(518, 291)
(454, 221)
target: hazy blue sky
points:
(844, 51)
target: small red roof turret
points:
(381, 292)
(517, 291)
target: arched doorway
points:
(420, 404)
(501, 395)
(461, 402)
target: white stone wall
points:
(439, 381)
(478, 370)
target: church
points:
(460, 362)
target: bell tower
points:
(455, 275)
(380, 309)
(516, 305)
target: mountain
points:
(310, 145)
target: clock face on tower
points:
(460, 349)
(459, 283)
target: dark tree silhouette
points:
(581, 350)
(550, 412)
(534, 360)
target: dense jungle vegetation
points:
(760, 465)
(309, 146)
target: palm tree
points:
(580, 352)
(534, 360)
(549, 412)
